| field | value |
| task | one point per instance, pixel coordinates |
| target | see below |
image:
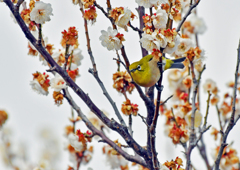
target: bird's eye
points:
(138, 67)
(150, 59)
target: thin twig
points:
(135, 28)
(207, 110)
(166, 100)
(186, 15)
(202, 151)
(192, 142)
(95, 74)
(52, 69)
(108, 96)
(66, 56)
(143, 119)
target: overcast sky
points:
(29, 112)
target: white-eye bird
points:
(146, 72)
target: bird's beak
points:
(132, 70)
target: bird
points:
(146, 72)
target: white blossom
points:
(37, 87)
(198, 23)
(209, 85)
(175, 44)
(41, 12)
(185, 5)
(115, 161)
(160, 38)
(124, 18)
(148, 42)
(160, 19)
(57, 83)
(73, 140)
(184, 46)
(77, 56)
(109, 39)
(154, 41)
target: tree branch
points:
(231, 123)
(192, 142)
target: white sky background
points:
(30, 112)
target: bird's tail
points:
(177, 63)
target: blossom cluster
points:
(78, 146)
(111, 39)
(69, 57)
(114, 159)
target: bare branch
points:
(95, 74)
(192, 142)
(166, 100)
(202, 148)
(232, 122)
(207, 110)
(108, 96)
(135, 28)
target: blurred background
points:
(34, 119)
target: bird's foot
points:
(159, 88)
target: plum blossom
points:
(77, 57)
(73, 140)
(124, 18)
(154, 41)
(185, 45)
(198, 23)
(160, 19)
(41, 12)
(40, 83)
(111, 39)
(171, 47)
(115, 161)
(209, 85)
(37, 87)
(57, 83)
